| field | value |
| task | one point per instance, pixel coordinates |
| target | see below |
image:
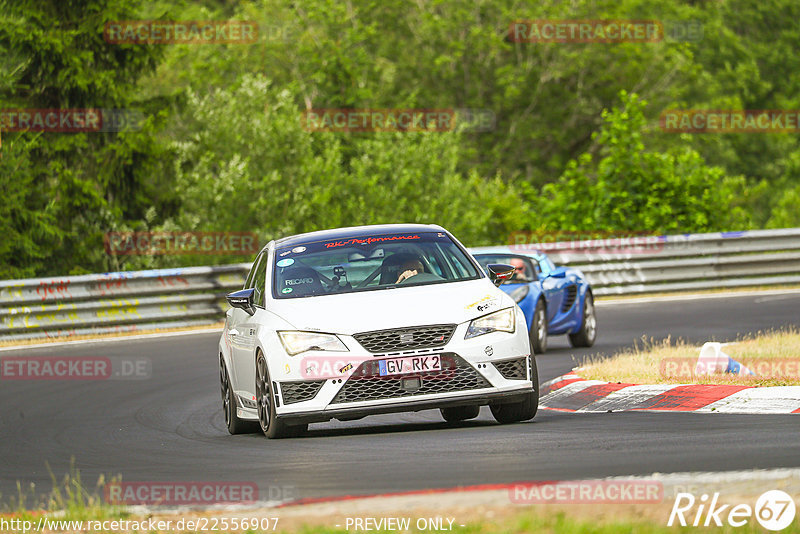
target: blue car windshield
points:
(367, 263)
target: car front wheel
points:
(460, 413)
(524, 410)
(272, 427)
(588, 332)
(234, 424)
(538, 330)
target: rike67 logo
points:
(774, 510)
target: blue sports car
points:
(555, 300)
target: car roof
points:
(501, 251)
(357, 232)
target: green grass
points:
(69, 500)
(654, 362)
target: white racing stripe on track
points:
(568, 390)
(771, 400)
(624, 398)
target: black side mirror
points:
(500, 272)
(242, 299)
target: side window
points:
(534, 273)
(259, 280)
(433, 261)
(248, 283)
(459, 261)
(542, 268)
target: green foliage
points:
(250, 165)
(223, 148)
(627, 187)
(78, 185)
(787, 210)
(27, 222)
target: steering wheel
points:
(338, 274)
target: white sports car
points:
(367, 320)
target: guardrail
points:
(648, 264)
(116, 302)
(170, 298)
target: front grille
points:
(513, 369)
(569, 298)
(401, 339)
(366, 383)
(300, 391)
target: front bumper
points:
(408, 405)
(491, 368)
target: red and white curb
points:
(571, 393)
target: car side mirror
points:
(242, 299)
(558, 274)
(500, 272)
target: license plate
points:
(410, 364)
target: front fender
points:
(583, 289)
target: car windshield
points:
(369, 262)
(524, 271)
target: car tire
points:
(525, 410)
(538, 331)
(588, 332)
(234, 424)
(460, 413)
(272, 427)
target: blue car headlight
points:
(519, 293)
(499, 321)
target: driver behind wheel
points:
(409, 268)
(521, 273)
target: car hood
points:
(350, 313)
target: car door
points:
(553, 289)
(241, 327)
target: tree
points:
(253, 167)
(57, 59)
(630, 188)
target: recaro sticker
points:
(298, 281)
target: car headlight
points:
(297, 342)
(499, 321)
(519, 294)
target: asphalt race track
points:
(170, 427)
